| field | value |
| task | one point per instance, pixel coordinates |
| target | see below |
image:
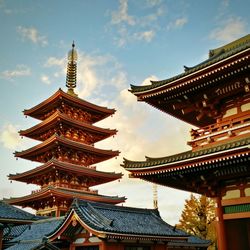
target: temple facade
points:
(66, 135)
(214, 97)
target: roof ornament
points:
(71, 71)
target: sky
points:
(118, 43)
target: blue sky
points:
(119, 43)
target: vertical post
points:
(220, 227)
(1, 236)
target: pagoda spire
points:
(71, 71)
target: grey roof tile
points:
(10, 212)
(124, 220)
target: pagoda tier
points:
(58, 199)
(63, 174)
(71, 105)
(73, 129)
(62, 149)
(207, 92)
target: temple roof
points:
(59, 97)
(216, 55)
(124, 220)
(15, 215)
(14, 231)
(201, 171)
(119, 222)
(101, 177)
(188, 156)
(62, 193)
(34, 237)
(55, 140)
(202, 94)
(59, 117)
(105, 221)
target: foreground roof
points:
(35, 235)
(15, 215)
(119, 222)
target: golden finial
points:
(71, 71)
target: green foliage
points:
(198, 218)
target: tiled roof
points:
(35, 234)
(188, 155)
(33, 245)
(13, 231)
(192, 240)
(8, 212)
(124, 220)
(120, 221)
(223, 54)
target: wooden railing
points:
(232, 126)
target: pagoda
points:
(214, 97)
(66, 151)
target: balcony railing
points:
(222, 130)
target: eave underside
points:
(200, 103)
(56, 146)
(207, 178)
(58, 196)
(55, 167)
(58, 120)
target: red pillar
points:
(220, 227)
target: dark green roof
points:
(188, 155)
(217, 55)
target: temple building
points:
(70, 215)
(66, 150)
(214, 97)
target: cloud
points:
(45, 79)
(130, 29)
(127, 98)
(145, 35)
(9, 137)
(53, 61)
(20, 71)
(33, 35)
(147, 81)
(152, 3)
(178, 23)
(122, 15)
(229, 30)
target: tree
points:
(198, 218)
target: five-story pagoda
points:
(66, 151)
